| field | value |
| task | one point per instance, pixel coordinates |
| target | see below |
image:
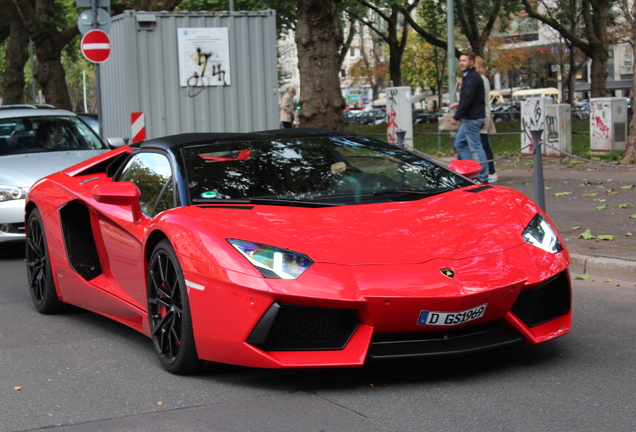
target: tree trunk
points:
(629, 153)
(17, 54)
(318, 38)
(50, 74)
(395, 64)
(596, 42)
(39, 19)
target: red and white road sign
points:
(95, 46)
(138, 126)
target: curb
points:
(603, 267)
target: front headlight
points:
(271, 261)
(10, 193)
(540, 233)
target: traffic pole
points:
(539, 189)
(97, 74)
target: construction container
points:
(190, 72)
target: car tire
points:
(39, 272)
(169, 312)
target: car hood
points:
(25, 169)
(453, 225)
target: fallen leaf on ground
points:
(576, 228)
(605, 237)
(587, 235)
(626, 205)
(562, 193)
(608, 280)
(628, 187)
(584, 277)
(17, 388)
(603, 207)
(592, 194)
(633, 216)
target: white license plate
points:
(451, 318)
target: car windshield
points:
(324, 170)
(45, 134)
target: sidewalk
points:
(579, 197)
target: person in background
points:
(287, 108)
(489, 123)
(51, 136)
(471, 112)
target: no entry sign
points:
(95, 46)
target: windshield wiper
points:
(430, 192)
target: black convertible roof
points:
(180, 140)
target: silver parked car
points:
(36, 141)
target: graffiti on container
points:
(199, 81)
(531, 120)
(553, 129)
(599, 128)
(391, 124)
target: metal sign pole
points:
(450, 52)
(539, 190)
(97, 72)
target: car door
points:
(122, 237)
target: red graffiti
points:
(391, 125)
(601, 129)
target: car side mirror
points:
(117, 142)
(467, 168)
(123, 193)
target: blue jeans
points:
(468, 143)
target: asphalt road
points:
(82, 372)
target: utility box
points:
(533, 113)
(558, 120)
(608, 124)
(399, 114)
(191, 72)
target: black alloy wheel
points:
(40, 275)
(169, 312)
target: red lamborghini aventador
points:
(295, 248)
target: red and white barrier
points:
(138, 126)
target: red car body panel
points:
(382, 260)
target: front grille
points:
(548, 301)
(286, 327)
(462, 340)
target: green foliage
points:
(422, 63)
(285, 9)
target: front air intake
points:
(286, 327)
(548, 301)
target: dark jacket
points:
(472, 104)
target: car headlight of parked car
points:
(540, 233)
(271, 261)
(10, 193)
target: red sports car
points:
(295, 248)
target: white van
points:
(552, 92)
(496, 98)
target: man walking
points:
(287, 108)
(471, 112)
